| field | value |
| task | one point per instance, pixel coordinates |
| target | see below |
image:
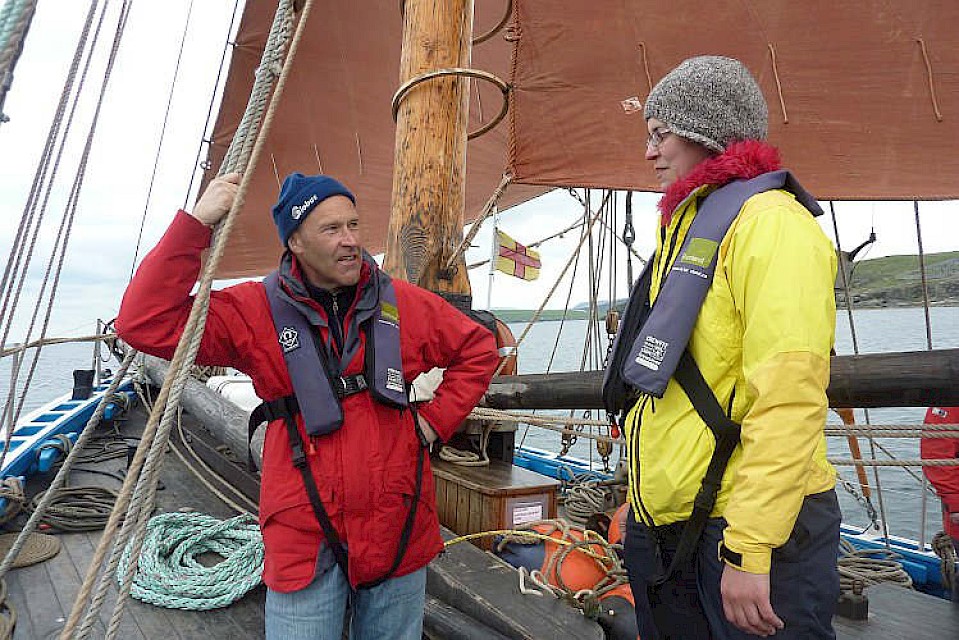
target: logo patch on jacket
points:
(699, 252)
(394, 380)
(289, 339)
(389, 313)
(652, 353)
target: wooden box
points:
(500, 496)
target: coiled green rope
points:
(169, 574)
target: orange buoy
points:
(506, 345)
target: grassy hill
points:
(896, 280)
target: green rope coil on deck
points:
(170, 575)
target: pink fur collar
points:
(741, 160)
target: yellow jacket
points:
(762, 341)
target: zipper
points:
(637, 495)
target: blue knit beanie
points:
(299, 195)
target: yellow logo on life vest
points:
(700, 252)
(389, 313)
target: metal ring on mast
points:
(461, 72)
(502, 23)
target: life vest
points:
(319, 385)
(650, 347)
(318, 396)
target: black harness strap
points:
(286, 409)
(726, 432)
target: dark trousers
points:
(804, 581)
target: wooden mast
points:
(426, 213)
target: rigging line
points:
(59, 252)
(779, 86)
(26, 220)
(488, 209)
(209, 111)
(855, 347)
(628, 245)
(21, 275)
(156, 158)
(922, 274)
(552, 290)
(184, 356)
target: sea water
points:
(877, 330)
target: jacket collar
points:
(740, 161)
(294, 289)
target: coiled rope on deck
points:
(942, 547)
(74, 509)
(870, 566)
(169, 573)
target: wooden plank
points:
(896, 613)
(462, 510)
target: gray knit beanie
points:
(711, 100)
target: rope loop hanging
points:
(461, 72)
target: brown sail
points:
(863, 95)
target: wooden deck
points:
(43, 594)
(896, 613)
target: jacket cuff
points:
(434, 417)
(188, 231)
(751, 561)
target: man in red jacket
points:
(347, 506)
(944, 479)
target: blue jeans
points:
(393, 609)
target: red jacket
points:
(944, 479)
(365, 470)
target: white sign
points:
(527, 512)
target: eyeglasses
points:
(657, 137)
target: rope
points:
(60, 479)
(74, 509)
(156, 157)
(156, 435)
(779, 86)
(15, 273)
(15, 19)
(535, 318)
(469, 458)
(168, 572)
(929, 79)
(488, 210)
(584, 499)
(606, 558)
(8, 615)
(11, 490)
(38, 548)
(869, 566)
(942, 546)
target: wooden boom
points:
(908, 379)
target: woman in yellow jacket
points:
(766, 561)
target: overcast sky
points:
(114, 195)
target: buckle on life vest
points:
(348, 385)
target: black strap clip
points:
(348, 385)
